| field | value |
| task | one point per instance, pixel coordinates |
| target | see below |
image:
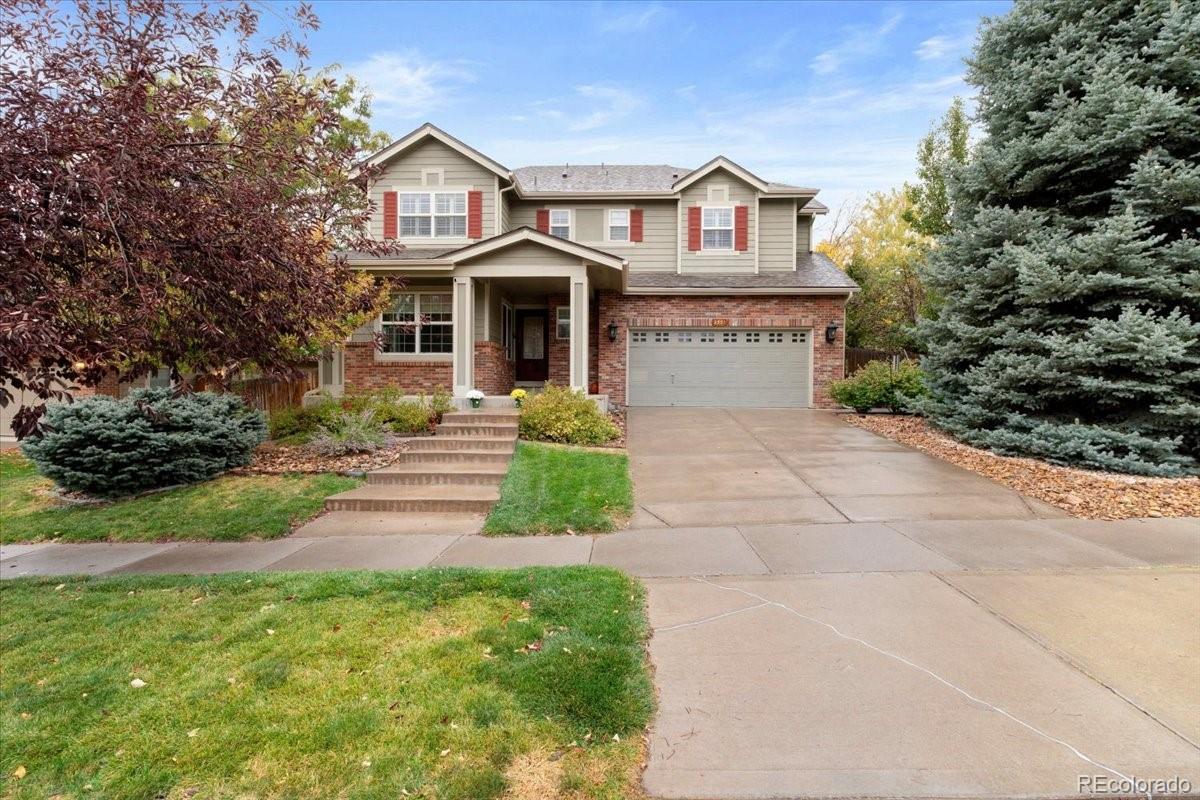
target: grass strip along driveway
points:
(226, 509)
(433, 683)
(558, 489)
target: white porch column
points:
(579, 333)
(463, 354)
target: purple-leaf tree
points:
(173, 186)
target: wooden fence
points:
(270, 394)
(857, 358)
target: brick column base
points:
(493, 372)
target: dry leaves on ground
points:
(280, 459)
(1081, 493)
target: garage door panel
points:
(680, 367)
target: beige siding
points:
(656, 251)
(506, 224)
(525, 253)
(740, 194)
(460, 172)
(487, 311)
(775, 234)
(804, 242)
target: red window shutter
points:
(390, 217)
(741, 219)
(474, 215)
(694, 228)
(543, 220)
(635, 225)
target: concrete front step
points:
(460, 456)
(493, 430)
(427, 474)
(393, 497)
(484, 417)
(505, 444)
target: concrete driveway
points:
(704, 466)
(836, 615)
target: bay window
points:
(418, 322)
(435, 215)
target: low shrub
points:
(152, 438)
(404, 416)
(557, 414)
(878, 385)
(358, 433)
(392, 409)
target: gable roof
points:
(431, 131)
(720, 162)
(527, 234)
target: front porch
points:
(519, 310)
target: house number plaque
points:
(720, 323)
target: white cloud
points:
(687, 92)
(635, 20)
(938, 47)
(773, 55)
(405, 85)
(592, 106)
(857, 41)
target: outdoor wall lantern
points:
(831, 332)
(612, 331)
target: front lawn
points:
(552, 489)
(434, 684)
(227, 508)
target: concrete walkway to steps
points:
(913, 546)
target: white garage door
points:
(763, 368)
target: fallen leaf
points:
(137, 683)
(446, 752)
(20, 772)
(270, 631)
(193, 733)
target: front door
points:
(533, 362)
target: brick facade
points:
(493, 372)
(365, 371)
(746, 311)
(559, 350)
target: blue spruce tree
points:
(1070, 329)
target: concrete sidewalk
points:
(942, 545)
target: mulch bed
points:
(279, 459)
(1081, 493)
(618, 418)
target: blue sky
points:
(833, 95)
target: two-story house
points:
(651, 285)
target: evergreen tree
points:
(1070, 329)
(941, 150)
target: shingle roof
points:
(813, 271)
(403, 254)
(599, 178)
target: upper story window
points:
(560, 223)
(717, 228)
(433, 215)
(418, 322)
(618, 225)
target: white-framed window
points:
(433, 215)
(560, 222)
(507, 331)
(418, 322)
(562, 322)
(618, 224)
(716, 228)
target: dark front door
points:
(533, 362)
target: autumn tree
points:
(877, 247)
(174, 186)
(939, 153)
(1070, 327)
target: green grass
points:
(227, 509)
(347, 685)
(551, 489)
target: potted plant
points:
(476, 398)
(517, 395)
